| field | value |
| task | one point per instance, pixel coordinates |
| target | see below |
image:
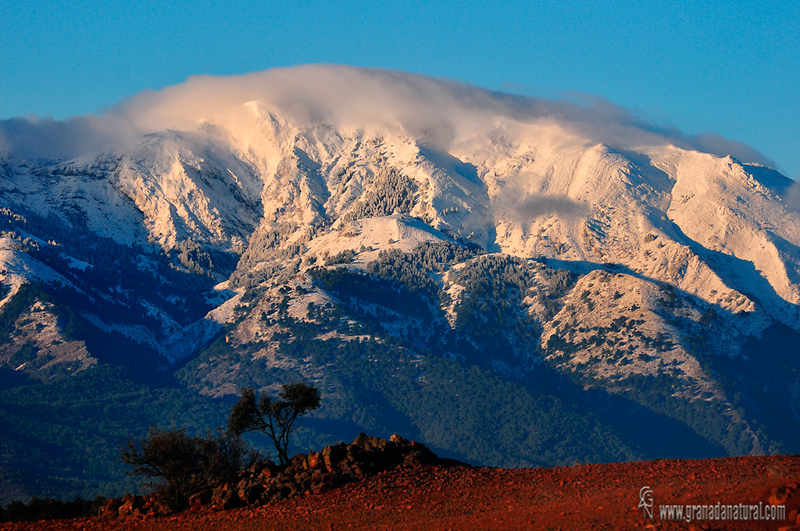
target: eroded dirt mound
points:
(569, 498)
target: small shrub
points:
(179, 465)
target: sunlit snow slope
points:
(227, 199)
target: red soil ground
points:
(590, 497)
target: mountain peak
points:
(328, 212)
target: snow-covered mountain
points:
(539, 240)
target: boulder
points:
(110, 509)
(225, 497)
(333, 455)
(158, 507)
(315, 460)
(201, 499)
(250, 495)
(269, 470)
(397, 439)
(370, 443)
(298, 461)
(418, 455)
(131, 505)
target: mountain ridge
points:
(252, 245)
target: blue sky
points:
(731, 68)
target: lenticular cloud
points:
(347, 97)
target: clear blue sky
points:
(727, 67)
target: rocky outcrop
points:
(135, 506)
(305, 474)
(317, 472)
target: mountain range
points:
(513, 282)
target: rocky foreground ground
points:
(440, 497)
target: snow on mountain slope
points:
(79, 192)
(249, 181)
(466, 208)
(18, 268)
(190, 186)
(722, 207)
